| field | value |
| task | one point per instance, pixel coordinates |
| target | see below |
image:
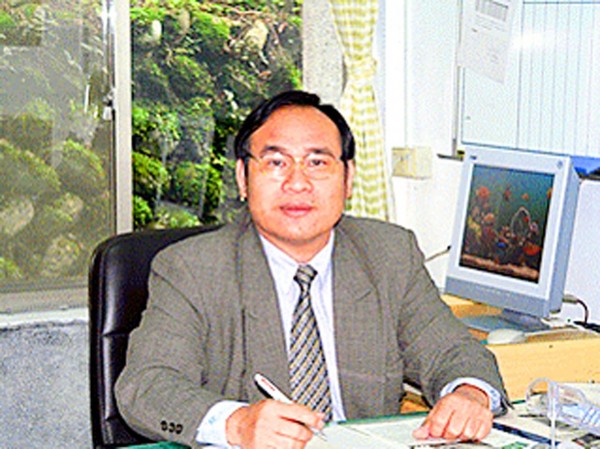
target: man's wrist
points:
(475, 393)
(212, 429)
(232, 427)
(494, 396)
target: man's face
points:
(295, 212)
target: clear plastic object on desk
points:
(563, 403)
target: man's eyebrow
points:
(322, 151)
(271, 149)
(277, 149)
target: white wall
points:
(419, 102)
(583, 275)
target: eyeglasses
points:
(279, 165)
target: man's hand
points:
(272, 424)
(463, 414)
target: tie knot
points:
(305, 275)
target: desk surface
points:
(394, 432)
(561, 355)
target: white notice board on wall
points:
(549, 99)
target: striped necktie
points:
(308, 370)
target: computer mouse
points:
(504, 336)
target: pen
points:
(275, 393)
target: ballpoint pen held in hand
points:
(275, 393)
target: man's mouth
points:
(296, 209)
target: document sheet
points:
(397, 433)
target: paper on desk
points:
(364, 436)
(396, 433)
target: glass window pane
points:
(56, 140)
(198, 68)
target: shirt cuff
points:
(493, 394)
(211, 430)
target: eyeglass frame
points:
(297, 161)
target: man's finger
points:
(439, 418)
(483, 429)
(303, 415)
(422, 432)
(459, 415)
(455, 428)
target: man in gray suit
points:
(225, 305)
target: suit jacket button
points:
(164, 425)
(178, 429)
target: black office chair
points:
(118, 293)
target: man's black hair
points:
(292, 98)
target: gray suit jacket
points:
(213, 321)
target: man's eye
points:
(275, 163)
(318, 162)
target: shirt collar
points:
(284, 267)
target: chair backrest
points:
(118, 293)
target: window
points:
(62, 179)
(56, 144)
(197, 69)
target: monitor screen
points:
(506, 221)
(514, 220)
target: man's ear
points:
(240, 178)
(349, 177)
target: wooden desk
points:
(562, 355)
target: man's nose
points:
(297, 178)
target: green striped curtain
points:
(355, 23)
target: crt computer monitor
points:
(511, 239)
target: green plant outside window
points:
(198, 68)
(55, 145)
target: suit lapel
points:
(359, 339)
(265, 343)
